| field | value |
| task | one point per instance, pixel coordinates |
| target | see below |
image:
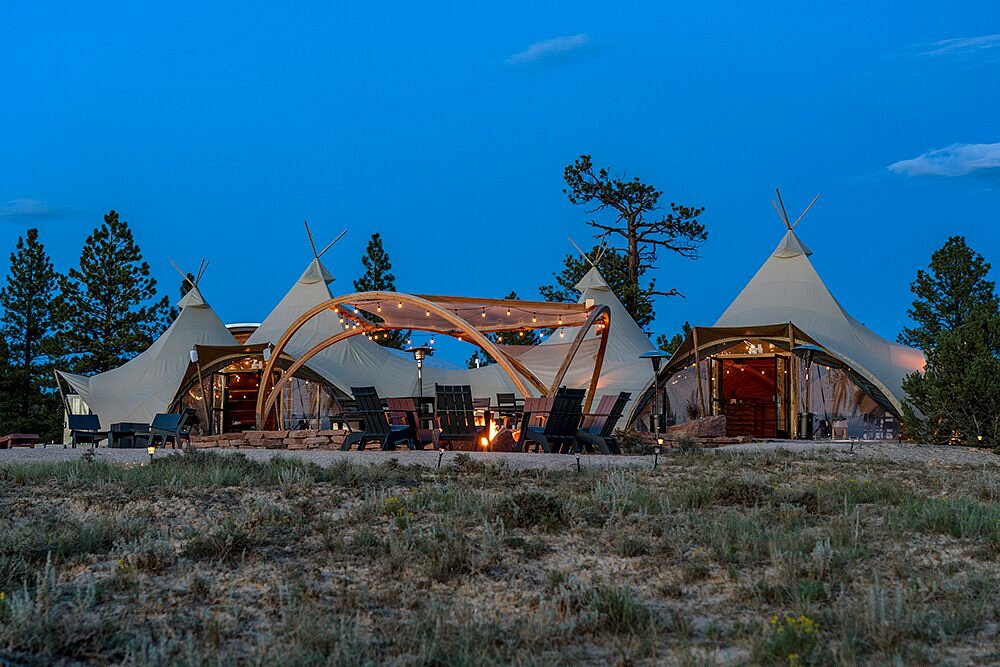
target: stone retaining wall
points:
(308, 439)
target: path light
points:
(578, 450)
(656, 452)
(980, 438)
(440, 455)
(151, 450)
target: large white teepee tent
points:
(147, 384)
(787, 288)
(787, 302)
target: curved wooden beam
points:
(459, 324)
(272, 396)
(598, 363)
(577, 342)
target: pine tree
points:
(377, 277)
(108, 312)
(27, 328)
(958, 394)
(633, 215)
(671, 344)
(957, 397)
(948, 293)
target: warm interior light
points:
(484, 442)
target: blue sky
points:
(216, 131)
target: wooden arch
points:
(512, 367)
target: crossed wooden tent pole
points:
(515, 370)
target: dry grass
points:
(766, 558)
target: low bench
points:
(18, 440)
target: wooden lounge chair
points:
(85, 430)
(559, 432)
(510, 407)
(457, 416)
(375, 425)
(169, 428)
(404, 412)
(598, 428)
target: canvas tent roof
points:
(788, 290)
(359, 361)
(147, 384)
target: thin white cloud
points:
(954, 160)
(963, 45)
(549, 47)
(30, 208)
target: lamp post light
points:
(656, 420)
(419, 353)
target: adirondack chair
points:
(169, 428)
(457, 416)
(85, 430)
(559, 432)
(375, 425)
(404, 412)
(598, 428)
(509, 406)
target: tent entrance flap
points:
(751, 392)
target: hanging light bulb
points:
(378, 309)
(408, 341)
(508, 312)
(399, 304)
(427, 313)
(432, 340)
(562, 334)
(483, 314)
(522, 334)
(534, 318)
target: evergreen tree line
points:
(90, 319)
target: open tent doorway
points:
(752, 392)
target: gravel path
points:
(938, 455)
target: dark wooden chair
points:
(405, 412)
(559, 431)
(375, 425)
(510, 407)
(456, 415)
(85, 430)
(171, 428)
(597, 430)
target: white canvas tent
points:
(787, 300)
(787, 288)
(147, 384)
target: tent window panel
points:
(306, 405)
(841, 408)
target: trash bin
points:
(805, 426)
